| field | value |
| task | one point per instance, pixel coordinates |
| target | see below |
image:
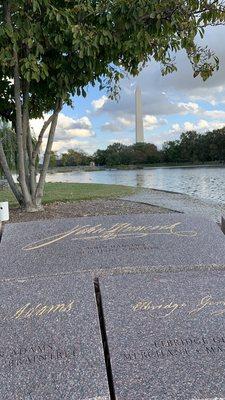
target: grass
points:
(70, 192)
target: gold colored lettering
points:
(148, 305)
(42, 310)
(88, 232)
(20, 312)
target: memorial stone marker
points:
(166, 335)
(50, 341)
(130, 241)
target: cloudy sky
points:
(171, 105)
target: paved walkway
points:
(179, 202)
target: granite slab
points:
(50, 342)
(166, 335)
(109, 243)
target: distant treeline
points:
(192, 147)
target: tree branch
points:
(32, 167)
(8, 175)
(40, 137)
(40, 186)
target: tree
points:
(145, 153)
(51, 49)
(74, 158)
(53, 160)
(100, 157)
(171, 151)
(189, 146)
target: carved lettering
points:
(120, 230)
(41, 310)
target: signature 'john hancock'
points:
(122, 230)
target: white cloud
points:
(216, 114)
(118, 124)
(190, 107)
(66, 125)
(188, 126)
(176, 127)
(99, 103)
(111, 127)
(127, 122)
(79, 132)
(122, 123)
(200, 126)
(67, 130)
(150, 120)
(62, 147)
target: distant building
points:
(139, 116)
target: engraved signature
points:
(40, 310)
(166, 308)
(122, 230)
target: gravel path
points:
(179, 202)
(86, 208)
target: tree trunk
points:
(31, 193)
(19, 133)
(25, 127)
(32, 167)
(9, 177)
(19, 120)
(47, 155)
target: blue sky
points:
(171, 105)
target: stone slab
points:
(109, 243)
(50, 342)
(166, 335)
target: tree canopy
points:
(51, 50)
(64, 45)
(192, 147)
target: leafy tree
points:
(53, 160)
(75, 158)
(216, 141)
(188, 146)
(100, 157)
(52, 49)
(196, 147)
(171, 151)
(117, 154)
(145, 153)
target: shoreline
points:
(129, 168)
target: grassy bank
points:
(70, 192)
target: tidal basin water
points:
(202, 182)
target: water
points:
(202, 182)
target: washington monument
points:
(139, 116)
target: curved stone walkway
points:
(179, 202)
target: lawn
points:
(70, 192)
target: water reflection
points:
(203, 182)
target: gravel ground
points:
(86, 208)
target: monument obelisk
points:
(139, 116)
